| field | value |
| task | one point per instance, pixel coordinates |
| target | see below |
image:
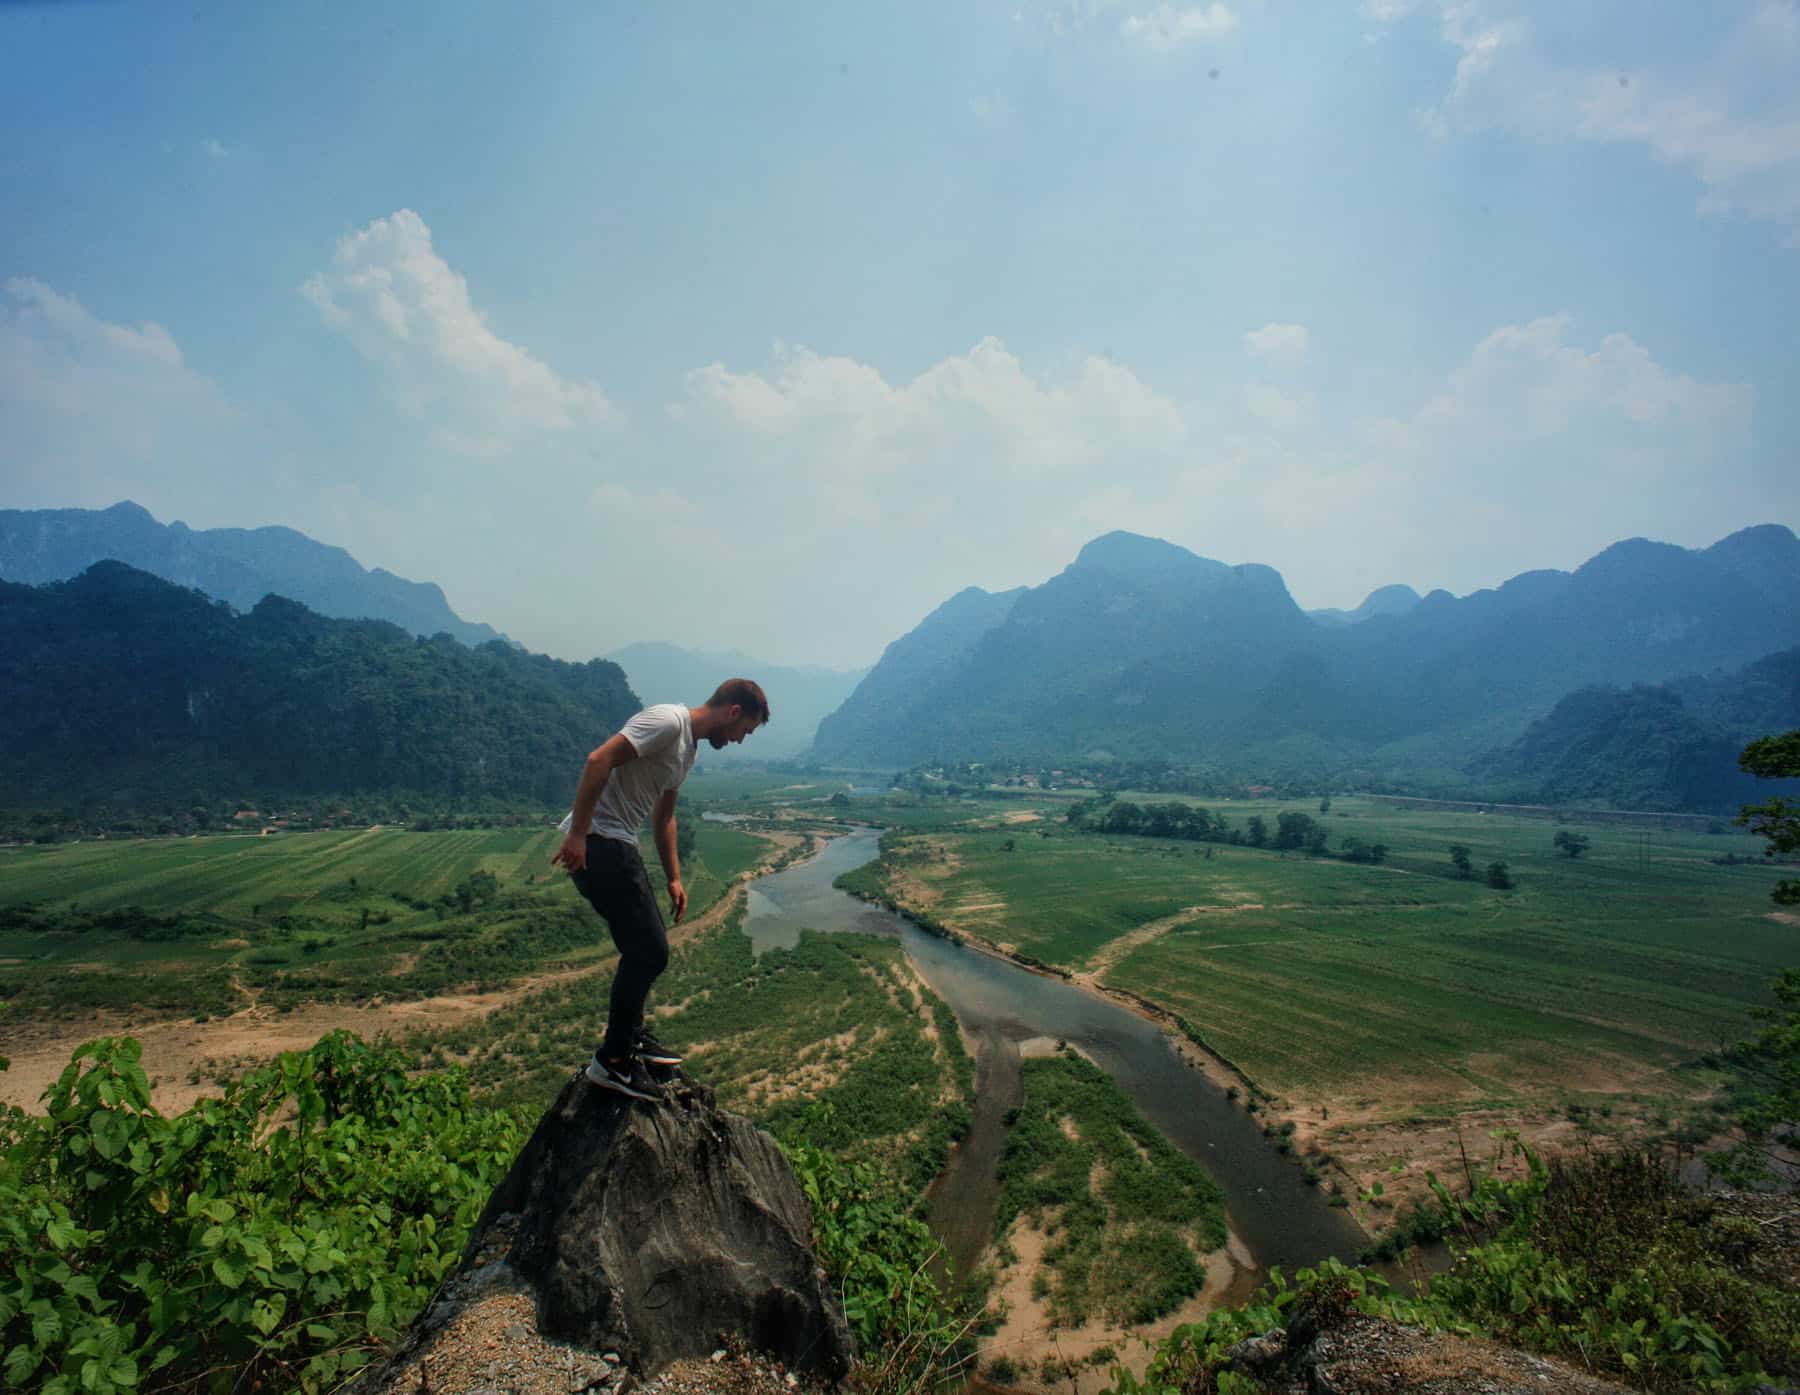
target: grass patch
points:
(1124, 1246)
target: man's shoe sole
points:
(621, 1087)
(665, 1058)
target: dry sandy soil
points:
(176, 1050)
(1027, 1339)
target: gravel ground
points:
(491, 1346)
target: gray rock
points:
(1258, 1354)
(645, 1229)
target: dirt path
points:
(1113, 951)
(181, 1055)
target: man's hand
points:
(573, 852)
(677, 898)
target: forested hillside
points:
(1142, 649)
(1669, 746)
(119, 688)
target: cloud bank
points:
(406, 310)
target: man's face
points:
(742, 723)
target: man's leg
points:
(619, 888)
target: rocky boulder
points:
(651, 1233)
(1355, 1354)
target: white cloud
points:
(980, 408)
(1713, 117)
(88, 402)
(873, 498)
(1278, 342)
(1163, 28)
(405, 308)
(1526, 382)
(1170, 27)
(1281, 411)
(214, 147)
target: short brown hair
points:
(741, 692)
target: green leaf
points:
(265, 1316)
(228, 1271)
(124, 1371)
(83, 1286)
(218, 1210)
(21, 1361)
(62, 1233)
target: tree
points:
(1770, 1060)
(1256, 831)
(1459, 855)
(1776, 819)
(1293, 830)
(1498, 877)
(1325, 805)
(687, 830)
(1574, 844)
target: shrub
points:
(144, 1252)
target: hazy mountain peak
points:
(1763, 546)
(1134, 555)
(236, 565)
(1396, 598)
(1630, 555)
(1388, 600)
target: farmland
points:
(1314, 973)
(205, 925)
(1387, 1014)
(1360, 997)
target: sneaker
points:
(629, 1078)
(648, 1049)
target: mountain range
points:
(121, 689)
(1142, 649)
(236, 565)
(242, 565)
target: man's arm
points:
(662, 823)
(601, 762)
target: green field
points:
(835, 1038)
(200, 924)
(1318, 974)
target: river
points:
(1002, 1005)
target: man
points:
(637, 772)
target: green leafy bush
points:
(911, 1333)
(1605, 1261)
(279, 1233)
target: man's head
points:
(736, 708)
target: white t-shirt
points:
(663, 738)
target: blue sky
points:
(769, 327)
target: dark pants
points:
(615, 883)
